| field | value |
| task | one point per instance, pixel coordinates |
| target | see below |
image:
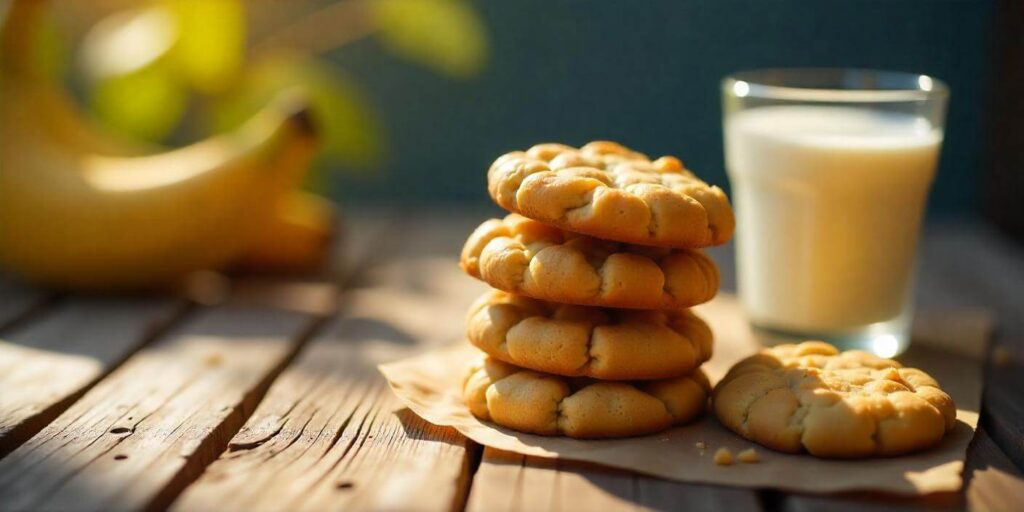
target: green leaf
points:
(144, 105)
(140, 63)
(133, 88)
(446, 35)
(210, 46)
(351, 133)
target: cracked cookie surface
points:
(586, 341)
(523, 256)
(811, 397)
(608, 191)
(546, 404)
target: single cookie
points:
(585, 341)
(545, 404)
(523, 256)
(608, 191)
(851, 404)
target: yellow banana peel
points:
(79, 210)
(297, 239)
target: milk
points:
(829, 203)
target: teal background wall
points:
(646, 73)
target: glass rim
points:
(752, 84)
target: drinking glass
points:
(830, 172)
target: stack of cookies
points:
(587, 331)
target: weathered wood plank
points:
(509, 481)
(655, 494)
(47, 362)
(993, 481)
(343, 447)
(501, 483)
(18, 301)
(973, 265)
(140, 435)
(328, 435)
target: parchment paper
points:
(947, 345)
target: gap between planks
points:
(48, 361)
(144, 431)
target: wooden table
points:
(263, 394)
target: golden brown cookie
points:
(851, 404)
(608, 191)
(546, 404)
(586, 341)
(526, 257)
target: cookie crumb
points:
(213, 359)
(701, 445)
(748, 456)
(723, 457)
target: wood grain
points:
(140, 435)
(993, 481)
(513, 482)
(328, 437)
(329, 434)
(972, 265)
(45, 363)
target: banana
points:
(29, 95)
(77, 211)
(297, 240)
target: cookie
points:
(810, 397)
(546, 404)
(608, 191)
(585, 341)
(526, 257)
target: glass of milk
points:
(830, 171)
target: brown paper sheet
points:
(429, 385)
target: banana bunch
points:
(82, 210)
